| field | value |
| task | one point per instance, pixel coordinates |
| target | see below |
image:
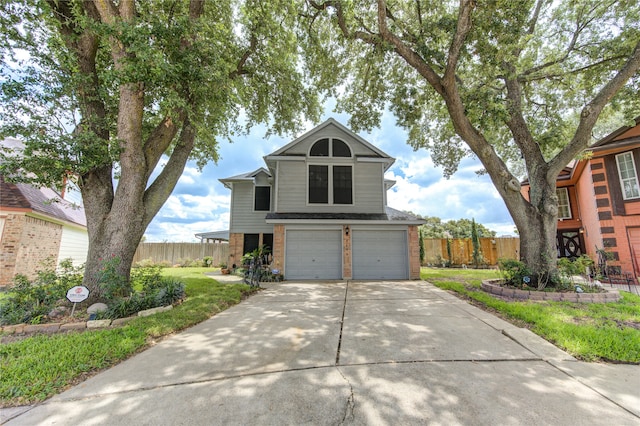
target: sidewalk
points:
(351, 353)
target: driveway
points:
(354, 353)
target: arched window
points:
(330, 183)
(337, 148)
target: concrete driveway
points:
(357, 353)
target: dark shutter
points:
(613, 179)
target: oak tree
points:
(121, 94)
(519, 84)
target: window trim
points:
(330, 188)
(254, 197)
(635, 176)
(568, 204)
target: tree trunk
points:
(537, 227)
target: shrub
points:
(31, 301)
(207, 261)
(162, 292)
(146, 278)
(514, 272)
(111, 282)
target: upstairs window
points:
(564, 208)
(330, 148)
(262, 199)
(342, 182)
(330, 180)
(318, 184)
(628, 176)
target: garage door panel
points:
(314, 254)
(380, 255)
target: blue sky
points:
(200, 203)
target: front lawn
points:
(38, 367)
(588, 331)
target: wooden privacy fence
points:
(176, 253)
(492, 249)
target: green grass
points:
(38, 367)
(589, 331)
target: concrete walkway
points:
(374, 353)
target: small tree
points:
(475, 240)
(421, 244)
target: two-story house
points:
(599, 202)
(320, 204)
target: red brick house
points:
(599, 202)
(36, 226)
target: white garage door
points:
(313, 255)
(380, 255)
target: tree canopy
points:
(518, 84)
(461, 228)
(120, 94)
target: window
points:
(262, 201)
(342, 193)
(628, 176)
(318, 184)
(339, 148)
(564, 208)
(330, 183)
(320, 148)
(267, 242)
(250, 243)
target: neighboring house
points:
(37, 226)
(599, 202)
(321, 206)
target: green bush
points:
(162, 292)
(514, 272)
(146, 278)
(31, 301)
(113, 284)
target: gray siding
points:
(292, 191)
(243, 218)
(331, 131)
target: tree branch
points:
(462, 30)
(590, 113)
(408, 54)
(158, 192)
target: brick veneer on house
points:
(27, 244)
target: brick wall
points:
(27, 245)
(278, 248)
(236, 242)
(347, 260)
(414, 253)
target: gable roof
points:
(24, 197)
(620, 138)
(377, 152)
(244, 177)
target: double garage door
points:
(316, 254)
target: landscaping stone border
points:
(57, 327)
(493, 287)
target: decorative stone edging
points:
(57, 327)
(491, 286)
